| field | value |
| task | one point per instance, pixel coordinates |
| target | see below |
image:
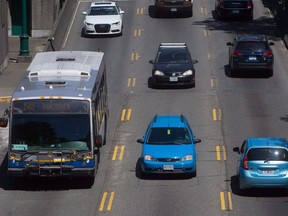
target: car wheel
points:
(270, 73)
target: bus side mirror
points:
(3, 122)
(98, 141)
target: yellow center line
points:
(129, 114)
(217, 115)
(140, 11)
(224, 152)
(218, 155)
(115, 153)
(121, 152)
(129, 82)
(103, 201)
(126, 114)
(214, 114)
(110, 201)
(123, 114)
(230, 201)
(5, 99)
(222, 200)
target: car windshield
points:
(173, 57)
(168, 136)
(275, 154)
(50, 131)
(105, 10)
(251, 45)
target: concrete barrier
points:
(61, 25)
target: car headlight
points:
(88, 24)
(148, 157)
(188, 73)
(187, 158)
(116, 23)
(158, 73)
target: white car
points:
(103, 18)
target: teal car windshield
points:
(165, 135)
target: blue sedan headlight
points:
(187, 158)
(148, 157)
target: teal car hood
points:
(168, 151)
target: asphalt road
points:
(222, 111)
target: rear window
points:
(251, 45)
(268, 153)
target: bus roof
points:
(61, 74)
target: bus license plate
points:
(168, 167)
(173, 79)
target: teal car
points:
(263, 163)
(168, 146)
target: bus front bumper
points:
(51, 172)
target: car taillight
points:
(250, 4)
(268, 54)
(245, 163)
(237, 53)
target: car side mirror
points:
(229, 43)
(271, 43)
(141, 140)
(3, 122)
(121, 12)
(194, 61)
(196, 141)
(84, 12)
(236, 149)
(151, 61)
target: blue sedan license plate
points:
(168, 167)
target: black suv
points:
(174, 6)
(173, 65)
(250, 52)
(234, 9)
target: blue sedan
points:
(263, 163)
(168, 146)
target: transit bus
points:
(58, 116)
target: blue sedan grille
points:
(168, 159)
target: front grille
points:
(168, 159)
(102, 28)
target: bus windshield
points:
(49, 132)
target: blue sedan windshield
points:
(168, 136)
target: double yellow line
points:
(110, 201)
(217, 114)
(5, 99)
(126, 114)
(219, 149)
(226, 206)
(116, 149)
